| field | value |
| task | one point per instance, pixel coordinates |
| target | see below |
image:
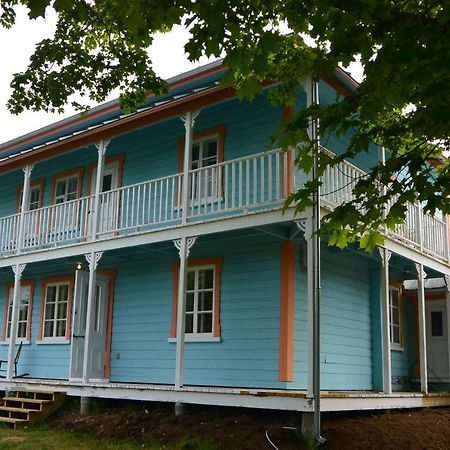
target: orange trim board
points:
(287, 297)
(217, 263)
(30, 283)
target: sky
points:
(17, 44)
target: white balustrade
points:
(239, 186)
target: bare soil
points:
(234, 429)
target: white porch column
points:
(24, 205)
(92, 258)
(189, 121)
(18, 270)
(447, 304)
(421, 274)
(387, 370)
(183, 245)
(101, 150)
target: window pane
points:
(60, 328)
(107, 183)
(60, 188)
(204, 324)
(34, 198)
(205, 301)
(48, 328)
(437, 326)
(395, 316)
(50, 311)
(195, 155)
(73, 185)
(190, 301)
(51, 294)
(206, 279)
(396, 335)
(8, 332)
(210, 149)
(22, 330)
(191, 280)
(189, 323)
(63, 292)
(62, 310)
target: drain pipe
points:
(313, 99)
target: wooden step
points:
(13, 421)
(26, 400)
(24, 410)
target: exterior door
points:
(97, 353)
(437, 341)
(109, 204)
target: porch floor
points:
(295, 400)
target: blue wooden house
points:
(146, 256)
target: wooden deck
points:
(293, 400)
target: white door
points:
(97, 353)
(109, 203)
(437, 341)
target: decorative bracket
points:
(382, 254)
(419, 267)
(21, 269)
(194, 116)
(93, 263)
(190, 241)
(102, 145)
(302, 224)
(27, 170)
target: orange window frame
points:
(70, 279)
(217, 263)
(31, 284)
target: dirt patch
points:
(246, 430)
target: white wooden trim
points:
(18, 341)
(53, 340)
(197, 338)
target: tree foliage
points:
(402, 103)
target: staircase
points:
(21, 408)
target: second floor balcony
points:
(239, 187)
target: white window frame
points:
(22, 339)
(66, 193)
(53, 338)
(215, 190)
(395, 345)
(195, 313)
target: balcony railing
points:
(251, 184)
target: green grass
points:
(43, 438)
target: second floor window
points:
(204, 155)
(66, 189)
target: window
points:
(202, 320)
(394, 315)
(200, 300)
(36, 195)
(207, 151)
(66, 189)
(437, 324)
(24, 318)
(56, 307)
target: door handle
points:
(77, 336)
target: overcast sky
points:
(17, 44)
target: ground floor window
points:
(24, 317)
(56, 307)
(394, 315)
(202, 319)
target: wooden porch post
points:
(18, 270)
(421, 274)
(101, 150)
(92, 258)
(387, 370)
(189, 121)
(24, 206)
(183, 245)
